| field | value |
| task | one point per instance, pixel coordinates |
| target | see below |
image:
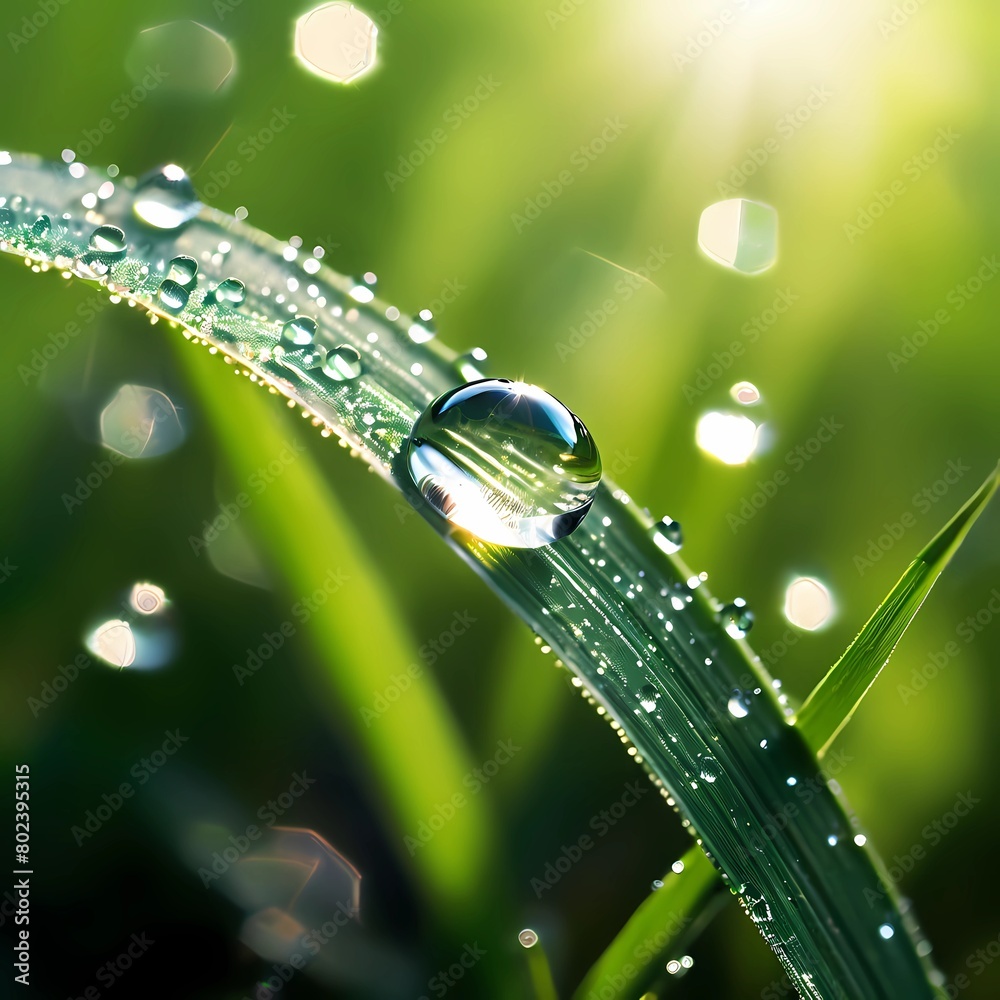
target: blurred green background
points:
(826, 111)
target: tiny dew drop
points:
(305, 358)
(739, 707)
(298, 332)
(107, 240)
(648, 696)
(231, 291)
(165, 198)
(342, 363)
(668, 536)
(422, 328)
(171, 295)
(183, 269)
(41, 226)
(657, 884)
(506, 461)
(736, 618)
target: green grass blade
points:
(673, 914)
(835, 699)
(636, 627)
(304, 534)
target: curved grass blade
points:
(672, 915)
(836, 698)
(639, 630)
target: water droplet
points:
(342, 363)
(740, 234)
(528, 938)
(648, 696)
(808, 604)
(147, 598)
(707, 775)
(673, 967)
(298, 332)
(746, 393)
(471, 365)
(189, 57)
(657, 884)
(305, 358)
(41, 227)
(108, 241)
(183, 269)
(737, 618)
(886, 931)
(171, 295)
(668, 536)
(165, 198)
(484, 455)
(114, 643)
(422, 328)
(230, 290)
(832, 840)
(730, 437)
(860, 839)
(739, 704)
(677, 867)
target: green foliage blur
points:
(513, 165)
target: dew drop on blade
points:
(668, 536)
(736, 618)
(342, 363)
(505, 461)
(165, 198)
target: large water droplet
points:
(506, 461)
(736, 618)
(739, 705)
(808, 603)
(171, 295)
(668, 535)
(231, 291)
(108, 241)
(342, 363)
(183, 269)
(298, 332)
(165, 198)
(41, 227)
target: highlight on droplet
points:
(745, 393)
(808, 603)
(528, 938)
(141, 422)
(732, 438)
